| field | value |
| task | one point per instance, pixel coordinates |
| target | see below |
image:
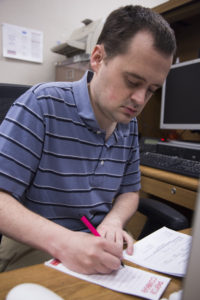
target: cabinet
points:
(174, 188)
(184, 18)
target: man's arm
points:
(125, 205)
(81, 252)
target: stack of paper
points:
(125, 280)
(165, 251)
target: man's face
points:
(123, 85)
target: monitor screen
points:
(180, 103)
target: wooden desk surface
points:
(173, 178)
(68, 287)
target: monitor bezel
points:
(174, 126)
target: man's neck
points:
(104, 124)
(109, 131)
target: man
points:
(71, 149)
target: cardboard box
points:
(72, 71)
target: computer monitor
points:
(180, 102)
(8, 94)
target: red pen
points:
(89, 226)
(92, 229)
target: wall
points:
(56, 19)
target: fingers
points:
(102, 231)
(111, 235)
(129, 241)
(119, 237)
(100, 265)
(103, 258)
(108, 263)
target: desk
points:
(68, 287)
(172, 187)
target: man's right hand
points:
(89, 254)
(79, 251)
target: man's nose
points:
(138, 96)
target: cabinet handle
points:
(173, 191)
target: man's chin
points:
(125, 121)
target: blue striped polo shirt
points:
(54, 158)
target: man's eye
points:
(131, 84)
(150, 91)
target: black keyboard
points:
(170, 163)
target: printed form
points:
(164, 250)
(126, 280)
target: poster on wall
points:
(22, 43)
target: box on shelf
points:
(72, 69)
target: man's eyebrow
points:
(142, 78)
(135, 76)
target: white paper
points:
(165, 251)
(22, 43)
(125, 280)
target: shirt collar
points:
(82, 99)
(84, 107)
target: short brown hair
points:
(125, 22)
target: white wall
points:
(56, 19)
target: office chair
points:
(160, 214)
(8, 94)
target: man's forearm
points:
(27, 227)
(70, 247)
(125, 205)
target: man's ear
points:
(96, 57)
